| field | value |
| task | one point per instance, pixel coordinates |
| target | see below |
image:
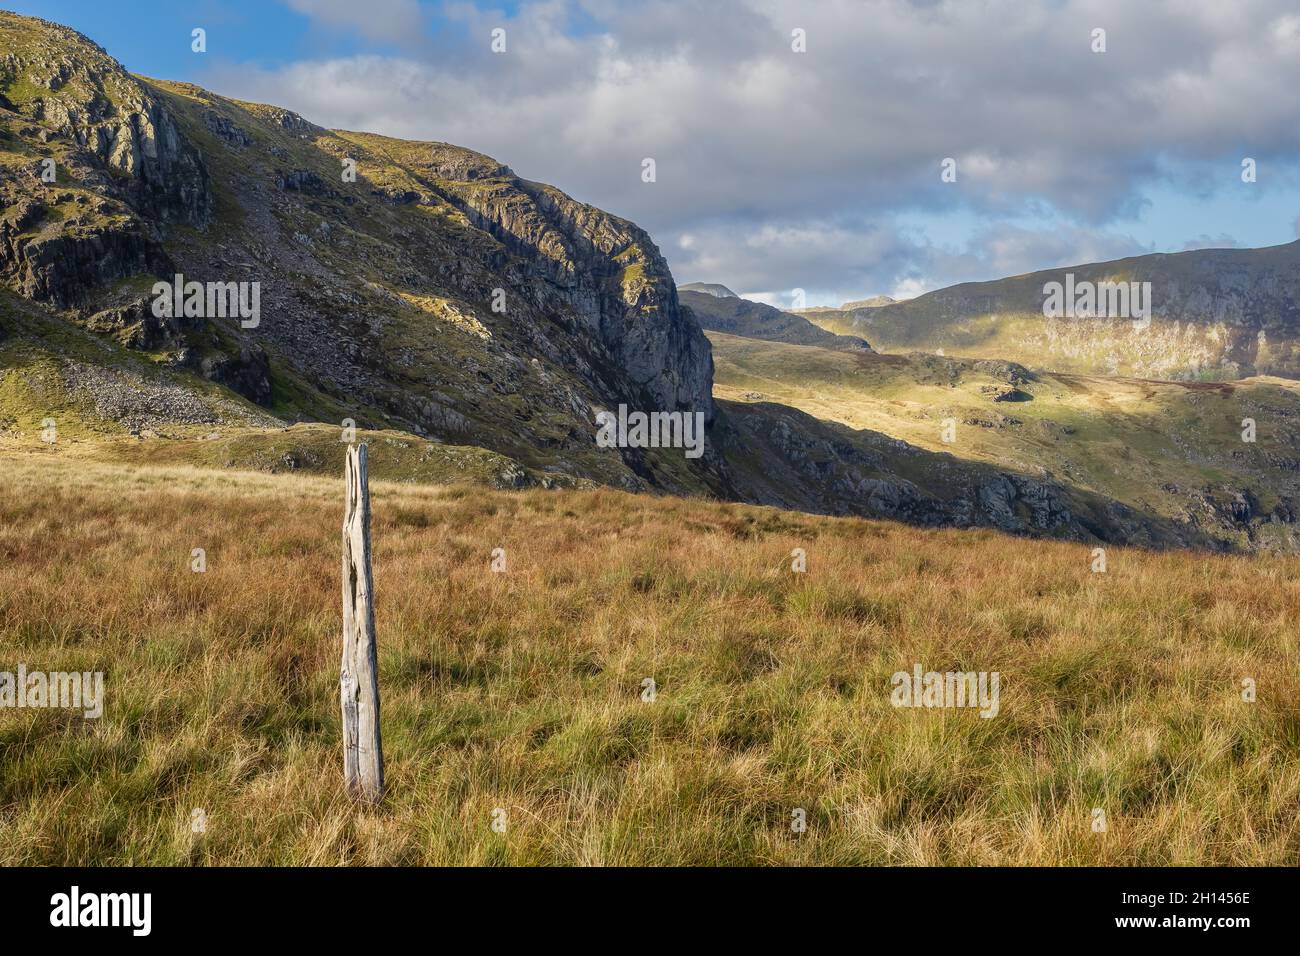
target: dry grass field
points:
(522, 690)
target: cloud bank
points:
(778, 169)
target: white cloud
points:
(801, 165)
(911, 288)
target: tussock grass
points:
(522, 690)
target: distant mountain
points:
(1216, 314)
(737, 316)
(874, 302)
(708, 288)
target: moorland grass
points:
(523, 690)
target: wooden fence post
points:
(363, 751)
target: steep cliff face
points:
(94, 164)
(604, 269)
(59, 245)
(417, 286)
(640, 318)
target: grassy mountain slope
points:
(1217, 314)
(1172, 450)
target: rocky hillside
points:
(737, 316)
(1216, 314)
(474, 320)
(417, 286)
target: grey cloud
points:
(1205, 241)
(837, 262)
(396, 21)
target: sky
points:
(817, 170)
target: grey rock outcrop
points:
(603, 268)
(90, 116)
(86, 96)
(135, 326)
(248, 374)
(55, 261)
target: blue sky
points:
(816, 170)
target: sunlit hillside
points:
(1170, 448)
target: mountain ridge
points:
(738, 316)
(715, 289)
(1215, 314)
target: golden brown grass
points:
(522, 690)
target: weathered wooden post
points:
(363, 752)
